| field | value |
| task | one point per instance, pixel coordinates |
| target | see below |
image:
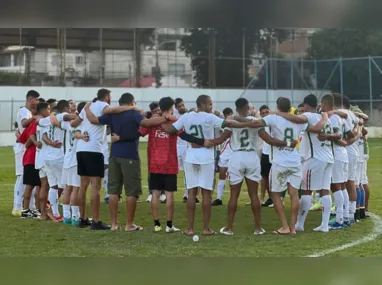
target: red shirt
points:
(30, 153)
(161, 152)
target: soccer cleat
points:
(336, 226)
(67, 221)
(217, 202)
(185, 199)
(261, 232)
(36, 213)
(316, 207)
(75, 223)
(26, 214)
(149, 198)
(347, 224)
(162, 197)
(321, 229)
(172, 229)
(17, 213)
(157, 229)
(267, 203)
(99, 226)
(106, 200)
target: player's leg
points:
(336, 187)
(156, 184)
(171, 186)
(105, 184)
(278, 185)
(306, 194)
(74, 181)
(132, 182)
(19, 186)
(66, 204)
(27, 181)
(351, 187)
(365, 184)
(115, 181)
(221, 184)
(191, 172)
(293, 186)
(206, 181)
(265, 169)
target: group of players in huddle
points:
(321, 148)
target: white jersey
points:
(244, 139)
(321, 150)
(23, 113)
(96, 132)
(283, 130)
(40, 158)
(180, 143)
(352, 121)
(339, 125)
(70, 145)
(266, 147)
(54, 134)
(200, 125)
(361, 149)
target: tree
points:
(228, 53)
(347, 43)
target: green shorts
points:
(124, 172)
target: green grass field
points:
(34, 238)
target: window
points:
(170, 46)
(5, 60)
(56, 60)
(18, 59)
(80, 60)
(177, 69)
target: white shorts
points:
(316, 175)
(352, 170)
(280, 176)
(199, 175)
(54, 172)
(242, 165)
(70, 177)
(339, 172)
(181, 152)
(42, 172)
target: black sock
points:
(357, 215)
(156, 223)
(362, 213)
(169, 224)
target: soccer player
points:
(224, 156)
(341, 159)
(163, 165)
(181, 146)
(353, 153)
(73, 106)
(31, 177)
(199, 162)
(23, 119)
(318, 156)
(124, 164)
(54, 138)
(70, 178)
(265, 163)
(243, 164)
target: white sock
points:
(346, 204)
(339, 203)
(306, 202)
(221, 187)
(326, 207)
(66, 209)
(53, 199)
(75, 213)
(352, 208)
(32, 202)
(105, 182)
(19, 193)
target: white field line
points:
(377, 231)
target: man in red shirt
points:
(31, 178)
(163, 165)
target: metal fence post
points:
(292, 79)
(12, 105)
(315, 74)
(341, 77)
(266, 80)
(370, 91)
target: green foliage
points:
(229, 53)
(13, 79)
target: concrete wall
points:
(12, 98)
